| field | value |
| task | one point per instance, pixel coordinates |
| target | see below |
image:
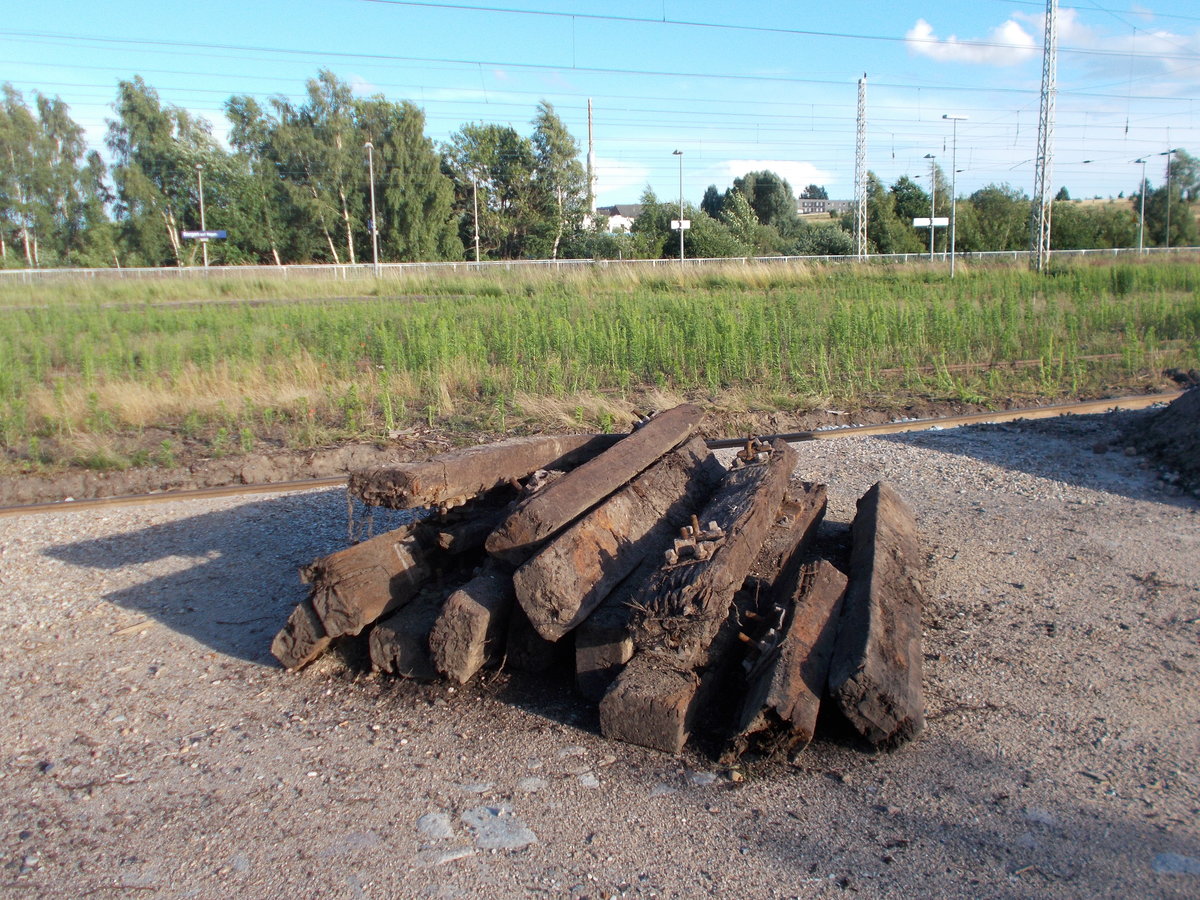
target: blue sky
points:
(736, 87)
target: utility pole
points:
(374, 223)
(591, 164)
(932, 198)
(1039, 237)
(679, 153)
(954, 119)
(203, 227)
(860, 173)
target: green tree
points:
(709, 238)
(814, 192)
(652, 228)
(771, 198)
(52, 190)
(756, 239)
(500, 163)
(1170, 207)
(559, 182)
(18, 175)
(597, 242)
(1092, 226)
(1165, 208)
(336, 171)
(886, 233)
(414, 197)
(305, 222)
(318, 154)
(739, 218)
(155, 151)
(825, 240)
(1185, 175)
(265, 200)
(912, 201)
(995, 217)
(712, 202)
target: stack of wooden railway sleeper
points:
(687, 593)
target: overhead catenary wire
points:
(760, 29)
(825, 143)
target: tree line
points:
(293, 186)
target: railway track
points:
(1089, 407)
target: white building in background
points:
(810, 207)
(620, 216)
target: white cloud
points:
(798, 174)
(363, 87)
(1070, 29)
(618, 181)
(1156, 52)
(1005, 45)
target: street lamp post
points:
(954, 119)
(475, 201)
(374, 224)
(203, 227)
(1142, 209)
(1167, 242)
(679, 153)
(932, 198)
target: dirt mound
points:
(1172, 436)
(266, 468)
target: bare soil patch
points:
(195, 470)
(1172, 436)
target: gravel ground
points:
(150, 747)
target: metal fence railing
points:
(346, 272)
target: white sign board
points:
(923, 222)
(685, 225)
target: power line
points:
(1095, 8)
(760, 29)
(771, 78)
(388, 57)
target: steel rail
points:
(1089, 407)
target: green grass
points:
(500, 350)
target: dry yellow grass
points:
(580, 410)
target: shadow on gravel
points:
(229, 578)
(968, 818)
(1097, 442)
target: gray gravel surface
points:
(150, 747)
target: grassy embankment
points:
(110, 374)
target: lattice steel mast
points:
(1039, 238)
(860, 173)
